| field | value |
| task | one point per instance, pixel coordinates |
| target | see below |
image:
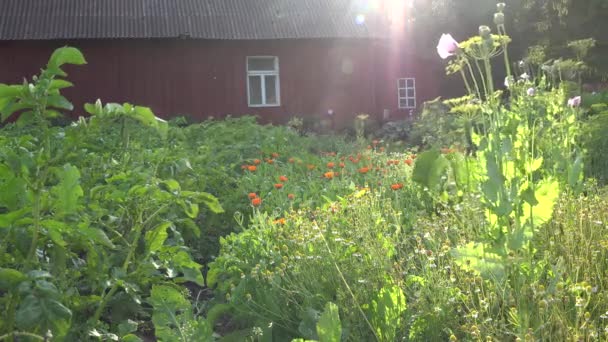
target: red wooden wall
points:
(208, 78)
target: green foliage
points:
(173, 318)
(40, 100)
(386, 312)
(435, 127)
(287, 273)
(595, 142)
(329, 327)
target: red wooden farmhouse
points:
(272, 58)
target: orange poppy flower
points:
(291, 196)
(256, 162)
(396, 186)
(280, 221)
(342, 165)
(275, 155)
(330, 165)
(278, 186)
(363, 170)
(256, 202)
(270, 161)
(409, 162)
(328, 175)
(252, 195)
(252, 168)
(283, 178)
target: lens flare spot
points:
(360, 19)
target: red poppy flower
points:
(330, 165)
(275, 155)
(256, 202)
(409, 162)
(291, 196)
(364, 170)
(396, 186)
(256, 162)
(252, 195)
(278, 186)
(252, 168)
(342, 165)
(283, 178)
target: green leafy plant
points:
(173, 317)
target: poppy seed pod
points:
(500, 6)
(484, 31)
(499, 18)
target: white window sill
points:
(264, 106)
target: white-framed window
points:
(263, 86)
(406, 88)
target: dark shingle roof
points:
(202, 19)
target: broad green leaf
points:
(575, 172)
(131, 338)
(6, 220)
(535, 165)
(68, 191)
(329, 327)
(145, 116)
(308, 323)
(57, 84)
(190, 269)
(96, 235)
(155, 238)
(11, 108)
(429, 168)
(477, 257)
(127, 327)
(94, 109)
(173, 318)
(55, 230)
(386, 311)
(190, 209)
(170, 185)
(29, 313)
(529, 196)
(43, 312)
(424, 166)
(10, 91)
(10, 278)
(210, 201)
(60, 102)
(66, 55)
(547, 192)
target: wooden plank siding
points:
(202, 78)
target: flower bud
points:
(485, 31)
(500, 6)
(499, 18)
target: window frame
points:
(405, 89)
(263, 74)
